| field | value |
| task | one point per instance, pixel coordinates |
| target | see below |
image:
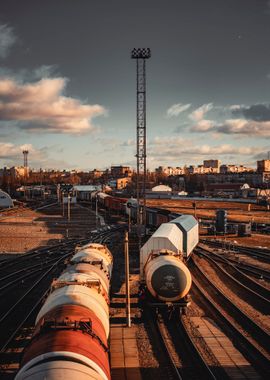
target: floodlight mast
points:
(141, 54)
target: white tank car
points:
(70, 340)
(163, 257)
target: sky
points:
(68, 84)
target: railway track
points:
(258, 253)
(233, 270)
(255, 271)
(19, 309)
(249, 337)
(247, 289)
(176, 351)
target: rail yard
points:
(55, 289)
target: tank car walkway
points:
(232, 361)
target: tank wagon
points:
(163, 259)
(70, 340)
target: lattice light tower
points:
(141, 54)
(25, 158)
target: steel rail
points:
(232, 264)
(255, 356)
(6, 314)
(161, 330)
(255, 299)
(260, 253)
(196, 353)
(254, 270)
(260, 335)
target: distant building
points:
(160, 191)
(263, 166)
(120, 171)
(234, 169)
(83, 192)
(168, 170)
(96, 173)
(212, 164)
(119, 183)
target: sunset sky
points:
(68, 85)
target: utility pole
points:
(63, 196)
(127, 280)
(96, 213)
(25, 165)
(68, 206)
(141, 54)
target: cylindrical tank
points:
(167, 277)
(56, 370)
(221, 221)
(70, 340)
(83, 272)
(65, 337)
(89, 297)
(66, 346)
(67, 314)
(93, 254)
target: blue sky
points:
(68, 85)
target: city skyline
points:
(68, 85)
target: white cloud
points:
(11, 155)
(181, 150)
(41, 106)
(176, 109)
(199, 113)
(7, 39)
(245, 127)
(14, 152)
(203, 126)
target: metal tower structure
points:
(141, 54)
(25, 158)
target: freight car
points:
(70, 340)
(163, 258)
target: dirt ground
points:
(26, 229)
(206, 209)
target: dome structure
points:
(162, 188)
(5, 200)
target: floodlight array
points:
(143, 53)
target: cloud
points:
(257, 112)
(244, 127)
(180, 150)
(199, 113)
(41, 106)
(7, 39)
(176, 109)
(250, 121)
(11, 155)
(203, 126)
(14, 152)
(26, 75)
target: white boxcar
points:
(190, 229)
(166, 237)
